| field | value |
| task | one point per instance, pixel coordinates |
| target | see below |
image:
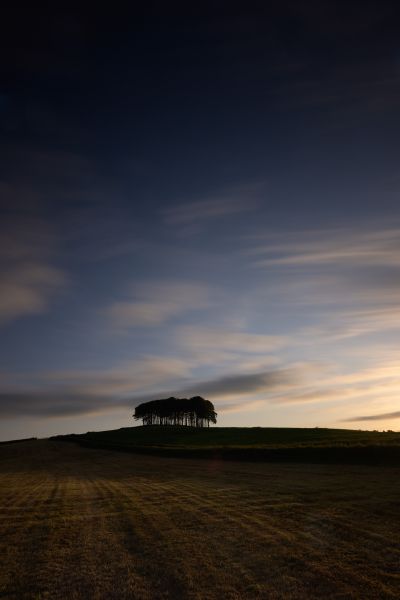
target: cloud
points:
(139, 314)
(353, 323)
(350, 278)
(55, 404)
(28, 280)
(229, 202)
(27, 290)
(67, 393)
(235, 384)
(203, 210)
(377, 385)
(238, 384)
(379, 417)
(240, 406)
(144, 372)
(206, 339)
(335, 248)
(98, 393)
(156, 303)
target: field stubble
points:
(82, 523)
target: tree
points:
(192, 412)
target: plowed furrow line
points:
(183, 551)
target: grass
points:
(255, 443)
(86, 523)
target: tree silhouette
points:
(192, 412)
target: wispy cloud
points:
(206, 339)
(369, 387)
(56, 404)
(239, 384)
(143, 372)
(345, 324)
(28, 280)
(155, 303)
(349, 279)
(231, 201)
(67, 393)
(336, 248)
(241, 407)
(379, 417)
(27, 289)
(78, 393)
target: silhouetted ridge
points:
(192, 412)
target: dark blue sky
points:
(200, 199)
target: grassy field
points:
(252, 443)
(86, 523)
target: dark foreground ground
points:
(85, 523)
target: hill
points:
(254, 443)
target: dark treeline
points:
(192, 412)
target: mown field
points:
(252, 443)
(86, 523)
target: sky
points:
(200, 200)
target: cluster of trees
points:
(193, 412)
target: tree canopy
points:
(192, 412)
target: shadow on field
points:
(379, 455)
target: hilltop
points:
(250, 443)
